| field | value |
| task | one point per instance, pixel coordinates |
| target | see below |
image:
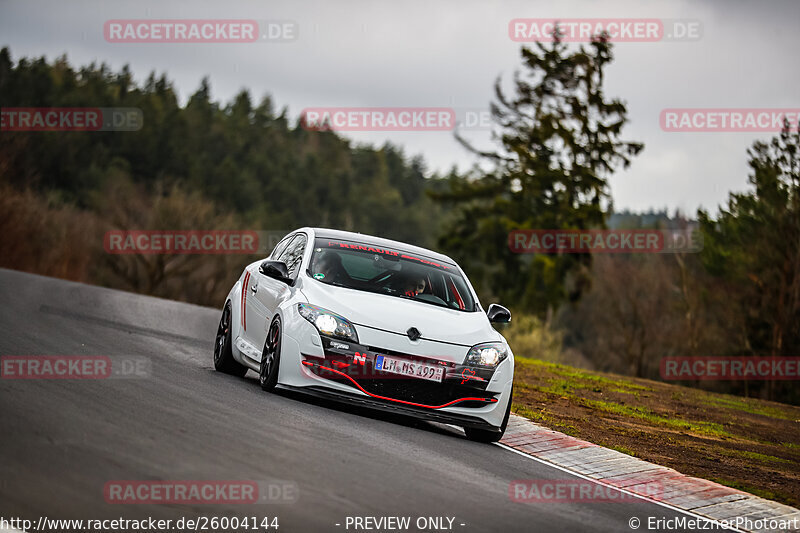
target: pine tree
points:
(558, 139)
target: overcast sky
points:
(430, 53)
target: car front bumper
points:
(470, 400)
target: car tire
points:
(223, 350)
(488, 435)
(271, 357)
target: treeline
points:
(245, 157)
(739, 296)
(202, 165)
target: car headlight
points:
(328, 323)
(488, 354)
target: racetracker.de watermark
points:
(183, 242)
(200, 492)
(619, 30)
(199, 31)
(71, 119)
(633, 241)
(74, 367)
(730, 368)
(577, 490)
(750, 120)
(378, 119)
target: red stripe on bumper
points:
(448, 404)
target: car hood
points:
(397, 315)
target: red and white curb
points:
(650, 481)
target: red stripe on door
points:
(244, 300)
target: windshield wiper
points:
(415, 299)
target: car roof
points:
(360, 238)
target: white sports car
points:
(373, 322)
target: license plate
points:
(412, 369)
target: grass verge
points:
(745, 443)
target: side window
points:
(293, 254)
(280, 248)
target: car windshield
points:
(391, 272)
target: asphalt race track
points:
(63, 440)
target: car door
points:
(254, 316)
(270, 292)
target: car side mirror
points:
(498, 313)
(276, 270)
